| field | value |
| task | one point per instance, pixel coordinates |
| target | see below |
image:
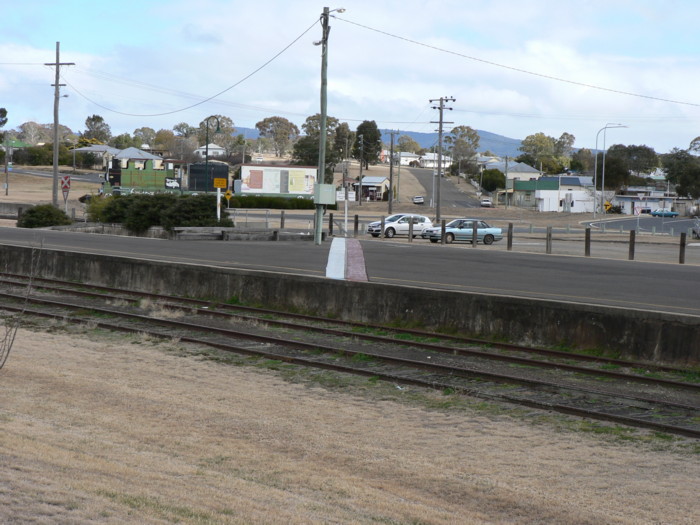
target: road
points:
(646, 286)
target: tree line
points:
(624, 165)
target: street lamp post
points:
(206, 148)
(595, 166)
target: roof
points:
(373, 181)
(99, 148)
(513, 167)
(135, 154)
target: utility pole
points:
(57, 96)
(361, 138)
(391, 172)
(441, 107)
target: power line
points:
(519, 70)
(201, 101)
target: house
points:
(561, 193)
(373, 188)
(430, 160)
(407, 159)
(214, 151)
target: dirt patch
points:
(114, 428)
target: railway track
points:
(609, 389)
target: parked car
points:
(172, 183)
(461, 230)
(486, 202)
(419, 199)
(398, 224)
(662, 212)
(696, 228)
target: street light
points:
(595, 165)
(206, 148)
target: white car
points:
(418, 199)
(398, 224)
(172, 183)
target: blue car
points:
(461, 230)
(661, 212)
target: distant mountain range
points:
(496, 144)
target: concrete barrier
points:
(657, 337)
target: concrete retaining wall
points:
(651, 336)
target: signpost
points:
(65, 188)
(219, 183)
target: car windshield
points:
(393, 218)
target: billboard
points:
(278, 180)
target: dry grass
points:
(110, 429)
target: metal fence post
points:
(357, 224)
(588, 242)
(681, 255)
(633, 236)
(549, 240)
(330, 224)
(510, 236)
(282, 220)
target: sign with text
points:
(220, 182)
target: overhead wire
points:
(519, 70)
(212, 97)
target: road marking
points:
(335, 268)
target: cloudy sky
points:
(514, 68)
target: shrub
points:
(145, 211)
(199, 210)
(42, 216)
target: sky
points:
(513, 68)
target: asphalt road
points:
(639, 285)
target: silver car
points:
(398, 224)
(462, 230)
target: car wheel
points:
(390, 232)
(450, 238)
(488, 239)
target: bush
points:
(145, 211)
(42, 216)
(199, 210)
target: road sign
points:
(65, 187)
(607, 206)
(228, 195)
(220, 182)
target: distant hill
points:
(497, 144)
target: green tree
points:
(371, 145)
(183, 129)
(280, 130)
(3, 117)
(32, 133)
(683, 171)
(637, 159)
(492, 180)
(124, 141)
(97, 128)
(462, 142)
(563, 146)
(408, 144)
(616, 172)
(312, 125)
(144, 135)
(164, 140)
(342, 141)
(582, 161)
